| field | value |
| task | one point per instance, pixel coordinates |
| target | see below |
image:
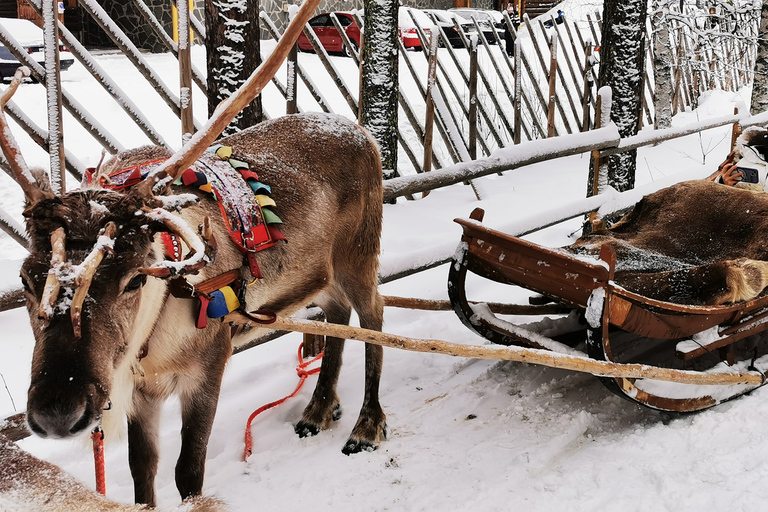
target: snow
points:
(464, 434)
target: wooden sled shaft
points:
(523, 355)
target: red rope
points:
(303, 374)
(97, 436)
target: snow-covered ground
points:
(464, 434)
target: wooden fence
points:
(482, 98)
(479, 97)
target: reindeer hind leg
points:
(371, 426)
(324, 406)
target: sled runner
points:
(617, 325)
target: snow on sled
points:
(679, 283)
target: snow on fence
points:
(484, 101)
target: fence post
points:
(473, 101)
(587, 87)
(736, 130)
(429, 121)
(185, 72)
(54, 99)
(552, 88)
(518, 92)
(602, 112)
(291, 103)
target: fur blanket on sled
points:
(697, 243)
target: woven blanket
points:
(245, 202)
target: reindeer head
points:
(91, 252)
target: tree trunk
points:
(233, 52)
(760, 83)
(662, 67)
(378, 97)
(622, 56)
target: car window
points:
(321, 21)
(438, 16)
(479, 15)
(6, 54)
(344, 19)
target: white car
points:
(30, 36)
(488, 20)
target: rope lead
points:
(303, 373)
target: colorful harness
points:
(248, 212)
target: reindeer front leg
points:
(142, 446)
(198, 408)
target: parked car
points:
(30, 36)
(329, 36)
(445, 19)
(486, 19)
(407, 29)
(331, 40)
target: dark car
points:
(445, 19)
(30, 36)
(329, 36)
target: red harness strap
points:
(97, 437)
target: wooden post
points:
(291, 89)
(736, 130)
(587, 88)
(552, 88)
(563, 82)
(518, 91)
(185, 72)
(473, 101)
(430, 117)
(53, 94)
(316, 94)
(595, 222)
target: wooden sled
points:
(620, 326)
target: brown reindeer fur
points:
(28, 483)
(325, 175)
(697, 242)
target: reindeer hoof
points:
(336, 414)
(304, 429)
(354, 446)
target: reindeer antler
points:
(202, 248)
(11, 150)
(87, 270)
(52, 281)
(229, 108)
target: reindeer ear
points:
(43, 181)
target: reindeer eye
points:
(136, 283)
(25, 284)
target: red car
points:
(328, 35)
(332, 42)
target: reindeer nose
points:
(59, 419)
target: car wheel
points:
(346, 51)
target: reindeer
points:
(110, 327)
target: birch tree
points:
(378, 96)
(662, 66)
(760, 83)
(622, 56)
(232, 54)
